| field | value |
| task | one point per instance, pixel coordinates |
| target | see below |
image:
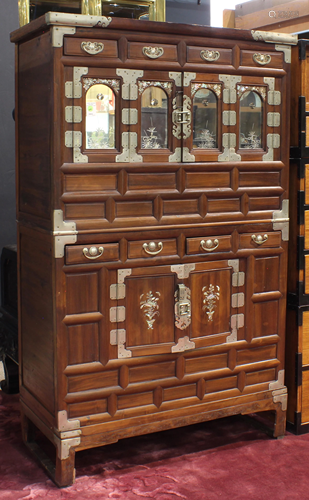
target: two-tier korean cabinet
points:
(152, 206)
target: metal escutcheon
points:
(259, 239)
(93, 252)
(153, 248)
(209, 245)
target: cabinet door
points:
(175, 308)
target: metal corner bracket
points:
(272, 37)
(58, 33)
(64, 232)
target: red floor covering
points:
(230, 458)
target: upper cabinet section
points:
(128, 115)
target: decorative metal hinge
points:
(129, 145)
(118, 337)
(281, 220)
(129, 86)
(237, 321)
(74, 89)
(229, 145)
(229, 91)
(273, 119)
(117, 291)
(73, 114)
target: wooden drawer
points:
(260, 240)
(261, 59)
(97, 252)
(91, 47)
(209, 244)
(152, 248)
(209, 55)
(152, 51)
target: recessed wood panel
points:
(256, 354)
(265, 318)
(91, 182)
(206, 363)
(152, 182)
(226, 205)
(207, 180)
(266, 274)
(259, 179)
(222, 384)
(85, 211)
(83, 343)
(152, 371)
(180, 207)
(76, 410)
(134, 209)
(82, 295)
(135, 400)
(264, 203)
(150, 310)
(92, 381)
(260, 377)
(184, 391)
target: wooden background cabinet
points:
(152, 275)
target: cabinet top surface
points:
(50, 19)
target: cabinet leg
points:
(280, 423)
(28, 429)
(65, 471)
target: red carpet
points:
(227, 459)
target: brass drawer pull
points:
(93, 252)
(92, 48)
(261, 59)
(153, 52)
(209, 245)
(150, 248)
(259, 239)
(210, 55)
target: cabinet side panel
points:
(36, 309)
(34, 127)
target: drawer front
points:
(260, 240)
(209, 55)
(90, 48)
(208, 244)
(152, 248)
(97, 252)
(152, 52)
(261, 59)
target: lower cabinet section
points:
(153, 342)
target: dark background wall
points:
(8, 22)
(188, 11)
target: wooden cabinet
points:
(297, 361)
(152, 174)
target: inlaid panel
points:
(211, 300)
(150, 310)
